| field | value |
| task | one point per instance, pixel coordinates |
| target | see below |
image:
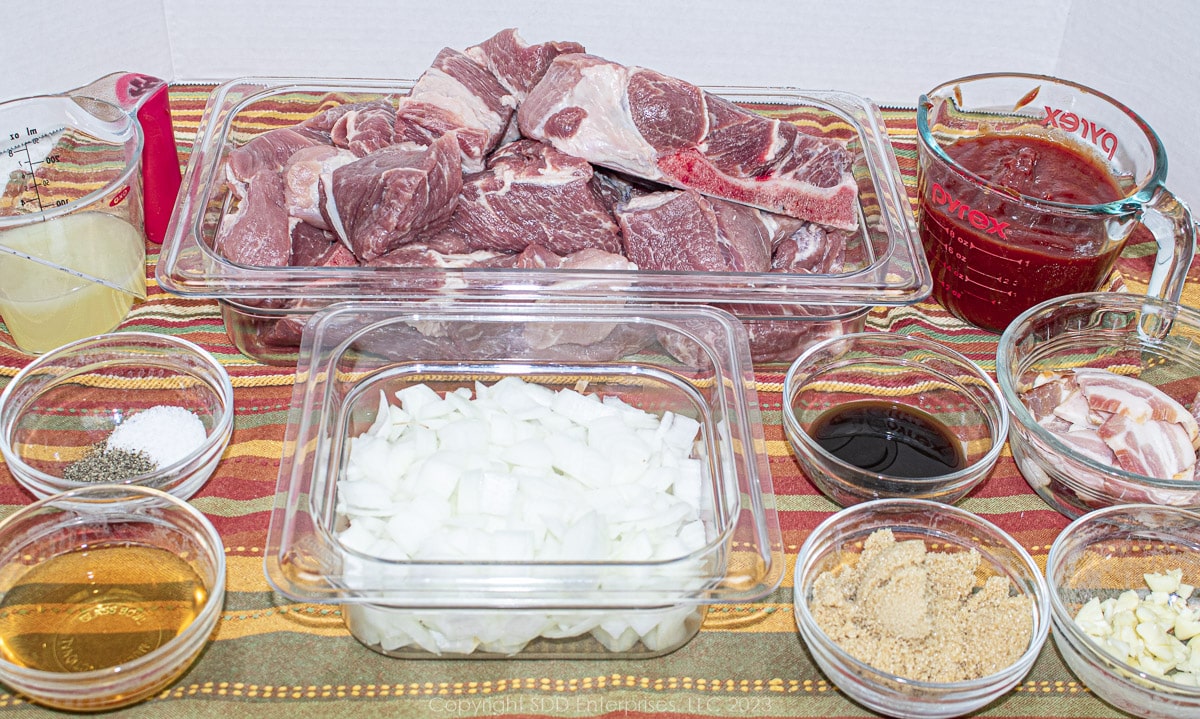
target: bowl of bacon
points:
(1103, 393)
(516, 172)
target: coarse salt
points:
(166, 434)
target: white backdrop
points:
(1145, 54)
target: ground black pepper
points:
(103, 465)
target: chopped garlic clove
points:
(1167, 582)
(1091, 619)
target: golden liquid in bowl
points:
(98, 608)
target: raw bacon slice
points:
(1116, 420)
(384, 199)
(1151, 448)
(660, 128)
(1140, 401)
(1089, 443)
(531, 193)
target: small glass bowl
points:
(1155, 341)
(123, 518)
(66, 401)
(838, 541)
(908, 371)
(1101, 554)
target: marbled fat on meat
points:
(810, 249)
(652, 225)
(268, 151)
(660, 128)
(306, 178)
(531, 193)
(365, 128)
(457, 93)
(516, 64)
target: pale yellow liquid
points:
(44, 308)
(98, 608)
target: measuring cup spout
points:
(145, 98)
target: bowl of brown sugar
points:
(914, 608)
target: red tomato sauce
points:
(993, 255)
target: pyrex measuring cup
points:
(1029, 188)
(72, 220)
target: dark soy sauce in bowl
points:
(889, 438)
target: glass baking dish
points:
(471, 601)
(884, 264)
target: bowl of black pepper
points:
(126, 408)
(872, 415)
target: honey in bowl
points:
(98, 607)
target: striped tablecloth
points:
(271, 657)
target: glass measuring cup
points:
(1029, 187)
(72, 218)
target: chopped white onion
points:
(517, 472)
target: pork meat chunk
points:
(720, 236)
(515, 63)
(531, 193)
(386, 198)
(257, 232)
(457, 94)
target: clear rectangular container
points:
(784, 312)
(691, 361)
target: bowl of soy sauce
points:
(872, 415)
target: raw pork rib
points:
(385, 198)
(660, 128)
(531, 193)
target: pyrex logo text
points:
(1088, 130)
(963, 211)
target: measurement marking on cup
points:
(30, 137)
(26, 138)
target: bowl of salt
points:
(123, 408)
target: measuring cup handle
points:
(147, 97)
(1175, 232)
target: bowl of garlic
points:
(1124, 607)
(539, 480)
